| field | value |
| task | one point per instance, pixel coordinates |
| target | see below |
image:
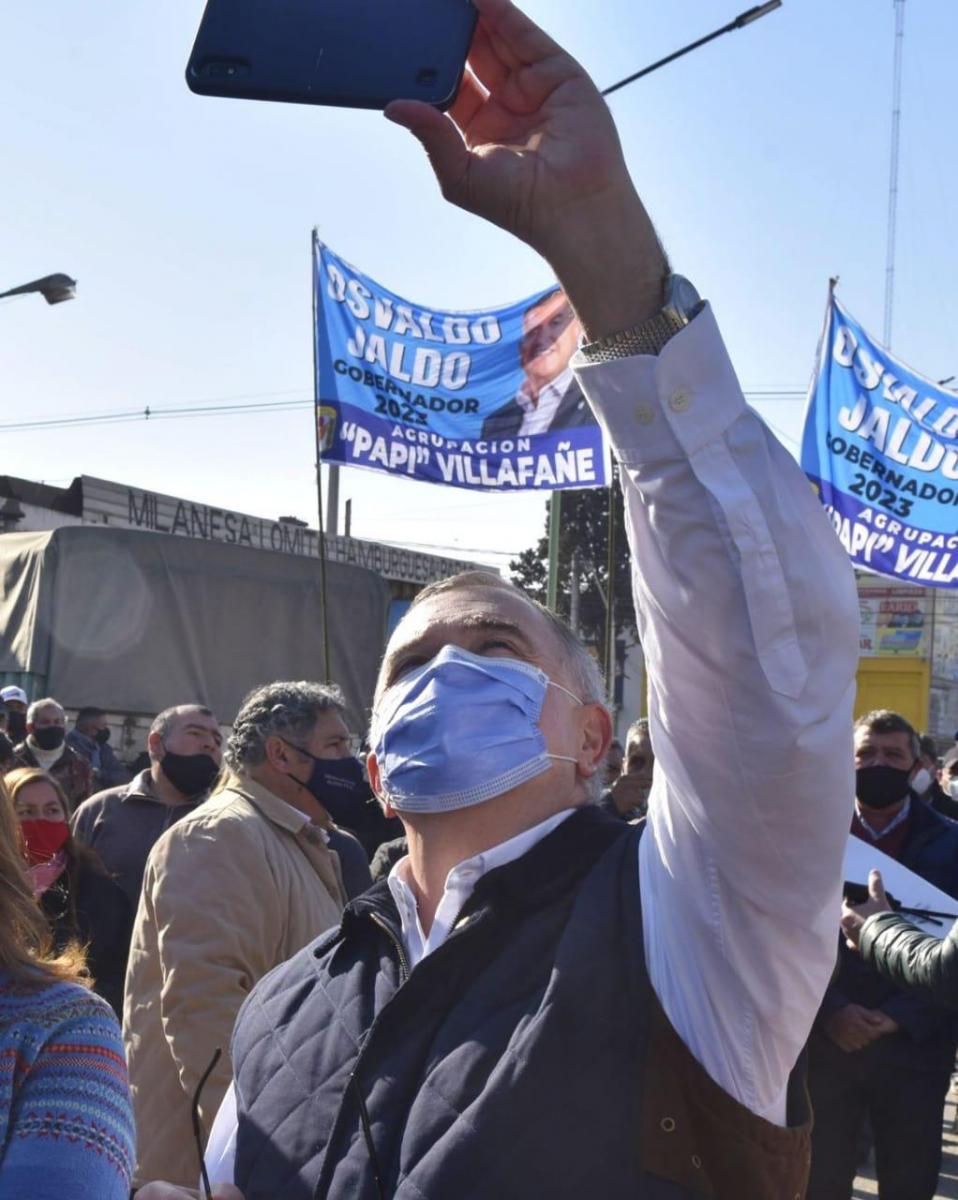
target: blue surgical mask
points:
(460, 730)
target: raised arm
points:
(745, 601)
(746, 609)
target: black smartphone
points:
(857, 893)
(349, 53)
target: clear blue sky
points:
(763, 159)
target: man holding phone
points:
(506, 1016)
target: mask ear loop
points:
(581, 703)
(571, 695)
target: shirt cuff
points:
(670, 405)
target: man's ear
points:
(595, 739)
(278, 754)
(153, 744)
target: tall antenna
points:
(893, 174)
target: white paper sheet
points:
(907, 887)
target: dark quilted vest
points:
(509, 1065)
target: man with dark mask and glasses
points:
(45, 747)
(234, 888)
(878, 1051)
(123, 823)
(90, 738)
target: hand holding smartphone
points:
(347, 53)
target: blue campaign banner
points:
(482, 399)
(881, 447)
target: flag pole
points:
(609, 648)
(555, 518)
(319, 462)
(893, 175)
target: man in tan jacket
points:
(235, 888)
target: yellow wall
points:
(901, 684)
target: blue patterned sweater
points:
(66, 1123)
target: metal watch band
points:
(647, 338)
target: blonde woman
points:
(66, 1124)
(79, 899)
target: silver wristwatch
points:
(682, 303)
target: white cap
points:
(13, 693)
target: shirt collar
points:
(465, 875)
(877, 835)
(141, 787)
(271, 806)
(553, 390)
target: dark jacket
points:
(911, 959)
(386, 857)
(573, 412)
(928, 1033)
(108, 771)
(71, 771)
(364, 818)
(352, 862)
(122, 824)
(508, 1064)
(86, 906)
(937, 798)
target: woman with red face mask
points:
(66, 1121)
(81, 902)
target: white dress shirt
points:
(459, 886)
(748, 616)
(537, 414)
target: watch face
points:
(682, 297)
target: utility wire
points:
(149, 413)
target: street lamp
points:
(53, 288)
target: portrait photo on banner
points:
(481, 399)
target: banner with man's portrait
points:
(481, 399)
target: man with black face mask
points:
(16, 703)
(232, 890)
(877, 1051)
(122, 823)
(90, 738)
(44, 747)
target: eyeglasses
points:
(197, 1128)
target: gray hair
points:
(287, 710)
(46, 702)
(584, 672)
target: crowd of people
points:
(506, 957)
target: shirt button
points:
(679, 401)
(644, 415)
(667, 1125)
